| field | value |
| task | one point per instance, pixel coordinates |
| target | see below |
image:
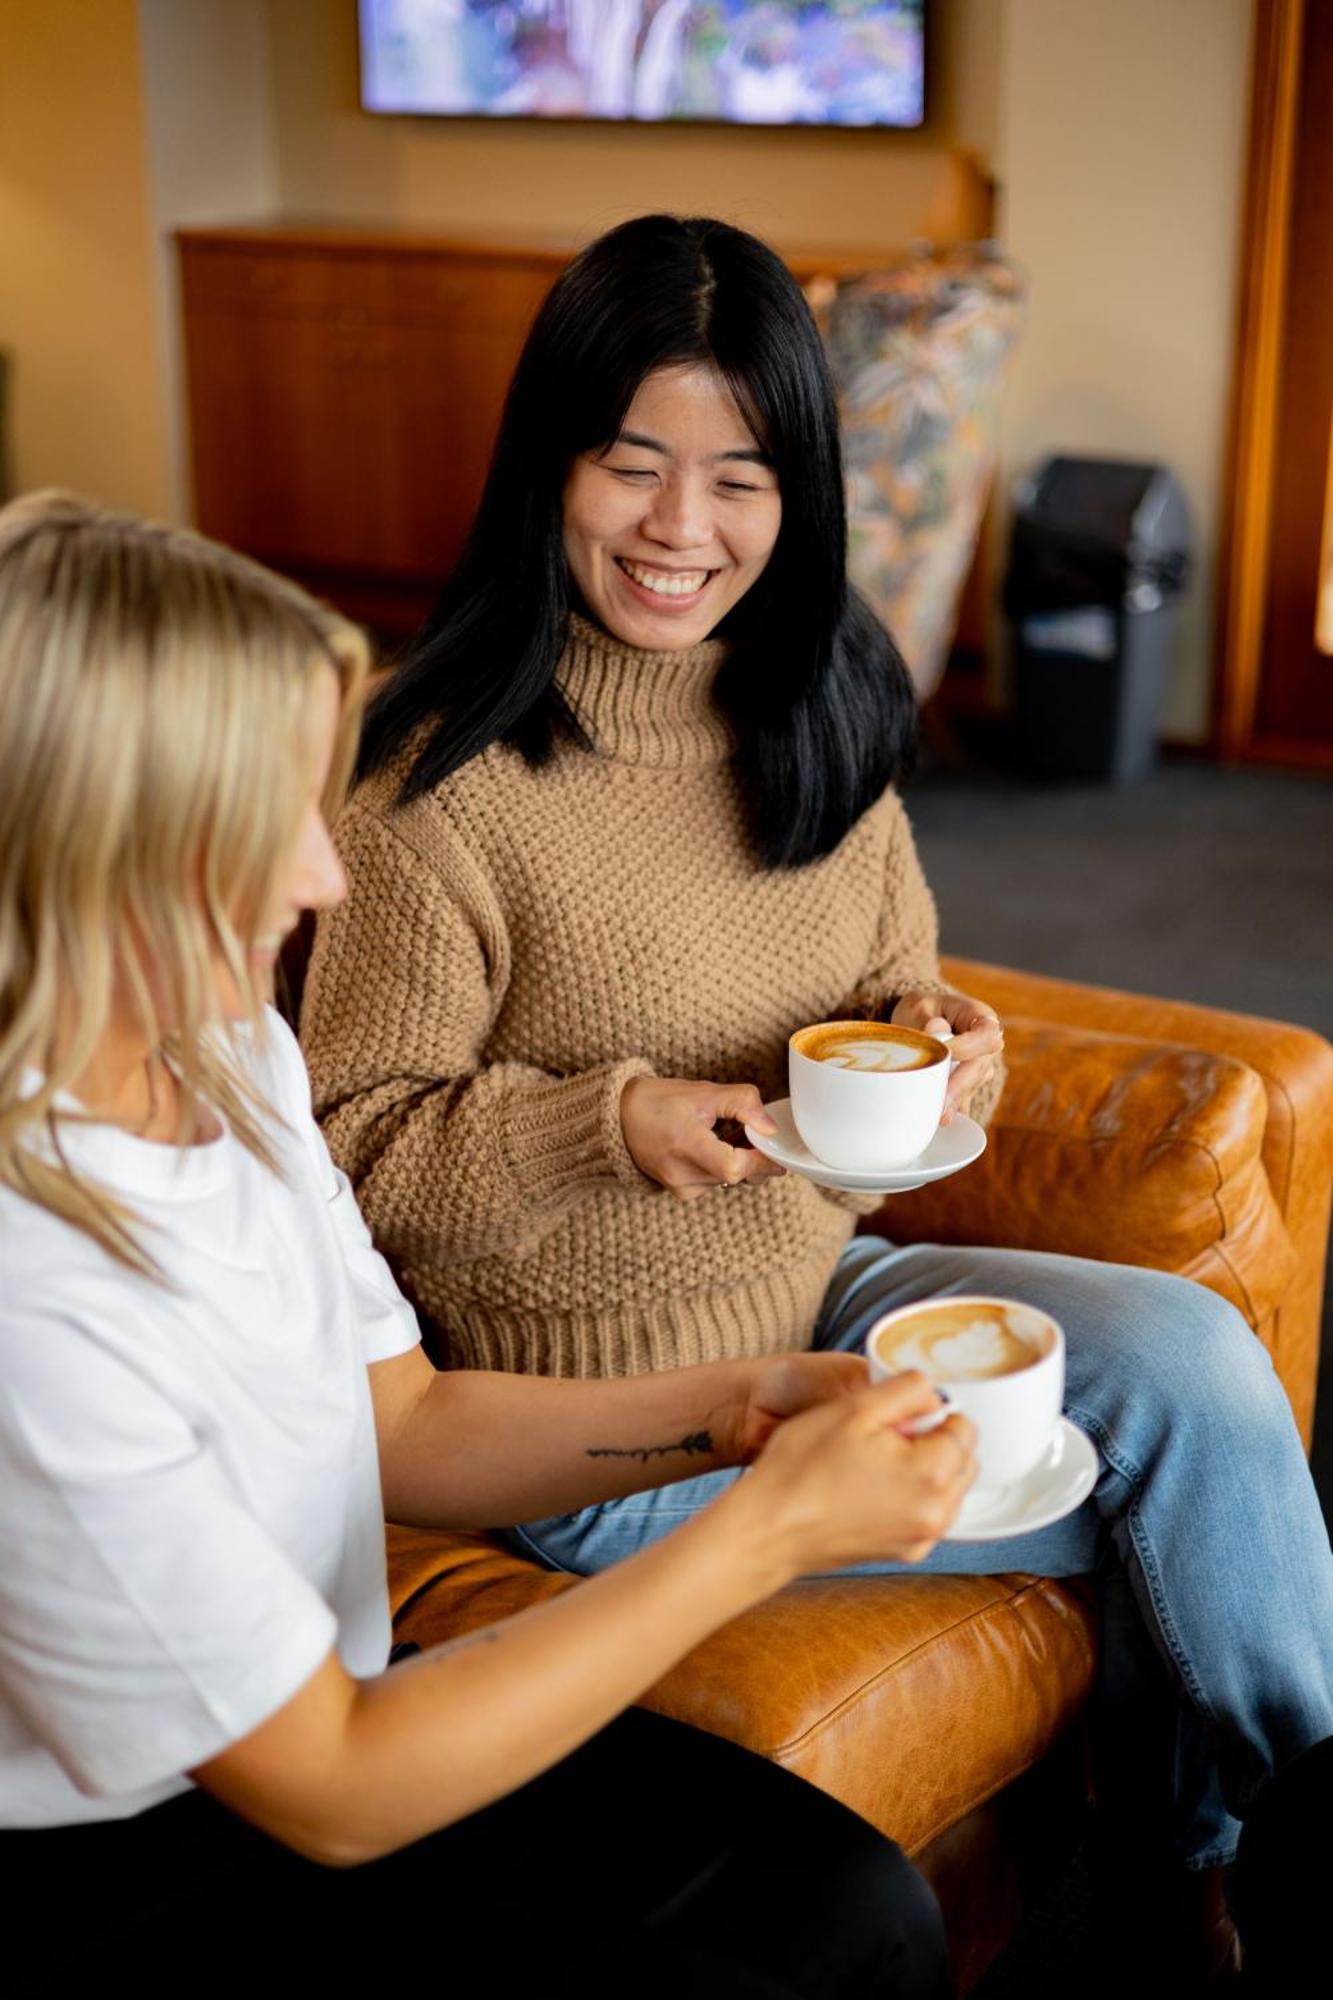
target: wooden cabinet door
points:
(343, 408)
(289, 415)
(449, 369)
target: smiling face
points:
(669, 525)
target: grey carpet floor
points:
(1198, 884)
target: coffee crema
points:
(869, 1046)
(967, 1342)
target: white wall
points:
(211, 152)
(1120, 151)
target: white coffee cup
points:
(866, 1096)
(1001, 1363)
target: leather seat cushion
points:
(912, 1699)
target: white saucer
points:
(953, 1147)
(1051, 1490)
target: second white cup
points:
(999, 1362)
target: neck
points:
(128, 1083)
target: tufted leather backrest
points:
(1277, 1277)
(1132, 1151)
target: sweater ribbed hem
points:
(769, 1315)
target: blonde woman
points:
(210, 1387)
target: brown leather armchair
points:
(946, 1709)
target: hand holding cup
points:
(846, 1482)
(974, 1033)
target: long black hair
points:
(815, 689)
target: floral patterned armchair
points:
(918, 351)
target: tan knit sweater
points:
(515, 947)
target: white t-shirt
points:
(190, 1510)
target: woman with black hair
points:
(627, 819)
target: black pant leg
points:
(1280, 1875)
(176, 1897)
(671, 1829)
(655, 1860)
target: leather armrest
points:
(1295, 1064)
(1120, 1148)
(1296, 1069)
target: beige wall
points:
(1120, 153)
(843, 189)
(77, 302)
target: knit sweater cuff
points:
(567, 1133)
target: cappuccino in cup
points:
(866, 1096)
(872, 1045)
(1000, 1362)
(965, 1341)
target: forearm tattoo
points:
(695, 1442)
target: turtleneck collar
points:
(645, 708)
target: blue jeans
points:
(1203, 1532)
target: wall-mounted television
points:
(736, 62)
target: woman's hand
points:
(977, 1038)
(779, 1386)
(847, 1482)
(668, 1126)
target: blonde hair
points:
(154, 691)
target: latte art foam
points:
(869, 1047)
(856, 1052)
(982, 1347)
(965, 1340)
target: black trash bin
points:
(1099, 557)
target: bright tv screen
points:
(742, 62)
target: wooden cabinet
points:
(344, 392)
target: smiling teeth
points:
(684, 583)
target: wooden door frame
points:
(1256, 384)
